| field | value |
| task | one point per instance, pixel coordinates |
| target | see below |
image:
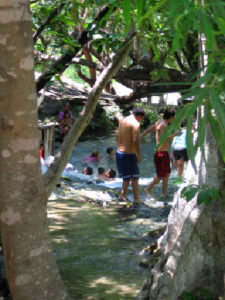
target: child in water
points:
(106, 175)
(111, 153)
(94, 157)
(87, 171)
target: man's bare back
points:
(159, 127)
(128, 136)
(128, 154)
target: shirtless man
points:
(128, 154)
(161, 157)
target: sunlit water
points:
(98, 249)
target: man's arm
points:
(149, 129)
(136, 141)
(173, 135)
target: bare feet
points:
(138, 201)
(148, 192)
(122, 198)
(164, 196)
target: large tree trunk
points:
(30, 265)
(193, 256)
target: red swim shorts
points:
(162, 163)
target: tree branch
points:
(54, 13)
(63, 62)
(148, 89)
(55, 170)
(84, 62)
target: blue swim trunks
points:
(127, 165)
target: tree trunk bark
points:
(31, 269)
(194, 251)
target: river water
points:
(98, 248)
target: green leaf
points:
(216, 133)
(150, 11)
(180, 115)
(219, 11)
(108, 14)
(140, 4)
(204, 197)
(126, 4)
(177, 180)
(219, 108)
(221, 23)
(189, 192)
(214, 193)
(201, 131)
(206, 28)
(191, 150)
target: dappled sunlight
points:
(97, 252)
(113, 287)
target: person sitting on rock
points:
(62, 113)
(65, 124)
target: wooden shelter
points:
(47, 137)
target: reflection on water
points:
(98, 248)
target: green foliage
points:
(189, 192)
(71, 73)
(165, 28)
(151, 114)
(177, 180)
(205, 193)
(103, 122)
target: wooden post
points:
(47, 136)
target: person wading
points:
(128, 154)
(161, 157)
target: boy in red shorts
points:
(161, 157)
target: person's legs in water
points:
(162, 165)
(135, 190)
(123, 192)
(164, 186)
(151, 185)
(180, 167)
(127, 168)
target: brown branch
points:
(64, 61)
(90, 81)
(83, 62)
(145, 74)
(54, 13)
(89, 58)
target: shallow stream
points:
(98, 248)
